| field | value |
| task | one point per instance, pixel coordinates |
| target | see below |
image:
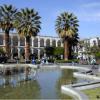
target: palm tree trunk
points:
(70, 52)
(27, 49)
(6, 38)
(66, 50)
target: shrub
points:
(67, 61)
(97, 55)
(51, 60)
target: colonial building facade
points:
(37, 44)
(82, 49)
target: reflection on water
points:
(45, 85)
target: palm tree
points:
(27, 24)
(66, 27)
(73, 42)
(7, 17)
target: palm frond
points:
(28, 22)
(66, 24)
(7, 17)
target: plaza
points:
(50, 50)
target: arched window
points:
(94, 42)
(54, 43)
(41, 42)
(48, 42)
(36, 42)
(59, 43)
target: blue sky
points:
(87, 12)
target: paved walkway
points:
(76, 94)
(72, 88)
(17, 65)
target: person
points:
(93, 61)
(33, 61)
(42, 60)
(46, 61)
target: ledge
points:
(75, 67)
(74, 93)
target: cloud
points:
(89, 16)
(86, 12)
(89, 12)
(90, 5)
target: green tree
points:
(2, 50)
(94, 49)
(49, 51)
(97, 55)
(28, 24)
(58, 51)
(66, 27)
(7, 18)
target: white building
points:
(95, 41)
(90, 42)
(37, 44)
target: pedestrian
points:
(33, 61)
(93, 61)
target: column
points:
(18, 47)
(62, 45)
(38, 47)
(56, 43)
(38, 54)
(11, 47)
(44, 42)
(44, 47)
(25, 50)
(18, 52)
(50, 42)
(32, 50)
(32, 45)
(3, 41)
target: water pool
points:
(46, 85)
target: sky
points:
(87, 12)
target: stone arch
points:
(41, 42)
(48, 43)
(35, 42)
(54, 43)
(59, 43)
